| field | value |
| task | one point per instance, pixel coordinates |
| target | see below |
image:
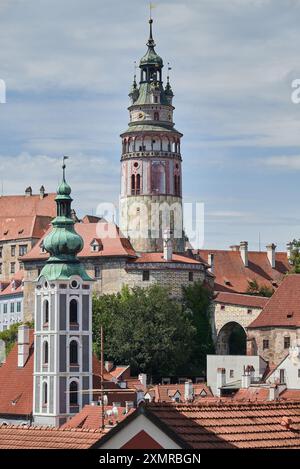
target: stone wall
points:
(7, 258)
(233, 313)
(275, 335)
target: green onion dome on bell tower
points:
(63, 243)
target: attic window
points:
(96, 245)
(274, 283)
(21, 231)
(226, 281)
(5, 232)
(289, 315)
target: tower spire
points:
(151, 42)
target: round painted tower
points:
(151, 179)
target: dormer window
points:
(42, 249)
(96, 245)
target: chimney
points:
(246, 378)
(271, 254)
(235, 247)
(221, 379)
(28, 191)
(211, 262)
(289, 248)
(188, 391)
(273, 392)
(244, 252)
(143, 379)
(108, 366)
(42, 192)
(23, 345)
(168, 245)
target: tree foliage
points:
(259, 290)
(10, 335)
(155, 334)
(198, 299)
(295, 257)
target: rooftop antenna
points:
(259, 244)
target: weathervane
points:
(64, 165)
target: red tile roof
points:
(241, 300)
(16, 384)
(165, 392)
(290, 394)
(91, 417)
(114, 243)
(283, 308)
(23, 217)
(14, 287)
(229, 267)
(234, 425)
(17, 437)
(12, 206)
(252, 393)
(157, 257)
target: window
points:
(97, 271)
(249, 311)
(45, 353)
(73, 352)
(222, 307)
(138, 184)
(146, 275)
(46, 312)
(73, 393)
(45, 394)
(0, 268)
(13, 250)
(1, 249)
(299, 373)
(282, 376)
(156, 99)
(265, 344)
(12, 267)
(156, 116)
(12, 307)
(5, 308)
(73, 312)
(287, 342)
(19, 306)
(191, 276)
(22, 249)
(231, 373)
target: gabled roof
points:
(16, 384)
(224, 425)
(19, 437)
(14, 287)
(23, 227)
(12, 206)
(240, 299)
(165, 392)
(232, 276)
(283, 308)
(113, 241)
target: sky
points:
(68, 67)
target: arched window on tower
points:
(46, 312)
(45, 353)
(156, 116)
(73, 352)
(133, 184)
(45, 393)
(138, 184)
(158, 178)
(73, 393)
(73, 311)
(175, 184)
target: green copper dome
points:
(63, 243)
(151, 57)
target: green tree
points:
(145, 328)
(198, 299)
(295, 257)
(10, 335)
(259, 290)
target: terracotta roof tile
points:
(228, 265)
(17, 437)
(283, 308)
(151, 257)
(90, 417)
(241, 300)
(233, 425)
(165, 392)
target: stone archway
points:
(231, 340)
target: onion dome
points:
(63, 243)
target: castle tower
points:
(151, 180)
(63, 323)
